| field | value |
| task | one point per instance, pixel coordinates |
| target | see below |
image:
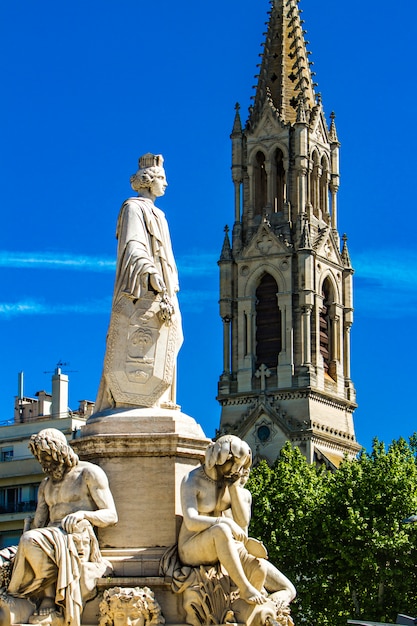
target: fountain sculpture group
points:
(172, 545)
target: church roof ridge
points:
(285, 77)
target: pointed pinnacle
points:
(226, 253)
(237, 124)
(332, 130)
(345, 253)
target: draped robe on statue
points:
(144, 248)
(72, 562)
(139, 366)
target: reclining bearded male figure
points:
(58, 561)
(216, 516)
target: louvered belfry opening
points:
(325, 348)
(260, 183)
(268, 323)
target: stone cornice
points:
(289, 394)
(139, 445)
(336, 445)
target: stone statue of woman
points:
(145, 333)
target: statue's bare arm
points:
(41, 518)
(98, 487)
(240, 502)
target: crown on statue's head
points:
(151, 160)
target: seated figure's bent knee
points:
(292, 590)
(263, 566)
(29, 537)
(221, 531)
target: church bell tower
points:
(285, 276)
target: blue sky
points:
(89, 86)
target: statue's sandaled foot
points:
(46, 606)
(252, 595)
(51, 618)
(47, 613)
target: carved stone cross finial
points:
(263, 373)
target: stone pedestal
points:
(145, 454)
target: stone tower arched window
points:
(260, 179)
(326, 348)
(268, 323)
(279, 181)
(324, 186)
(315, 184)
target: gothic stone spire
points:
(284, 77)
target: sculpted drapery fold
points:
(144, 249)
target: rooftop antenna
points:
(58, 368)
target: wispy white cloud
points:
(38, 307)
(400, 266)
(50, 260)
(396, 269)
(191, 302)
(386, 286)
(194, 264)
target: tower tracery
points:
(285, 285)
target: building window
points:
(325, 327)
(315, 185)
(260, 183)
(264, 433)
(279, 181)
(268, 323)
(18, 499)
(9, 538)
(9, 499)
(6, 454)
(324, 187)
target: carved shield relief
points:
(141, 352)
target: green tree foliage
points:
(339, 535)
